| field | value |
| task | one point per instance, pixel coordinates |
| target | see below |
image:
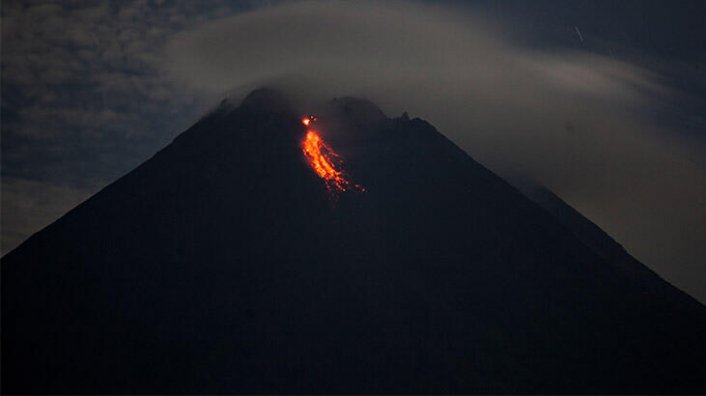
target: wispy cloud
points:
(578, 122)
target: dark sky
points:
(601, 101)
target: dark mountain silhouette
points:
(223, 264)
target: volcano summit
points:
(220, 265)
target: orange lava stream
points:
(325, 162)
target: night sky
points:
(602, 102)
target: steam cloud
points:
(575, 122)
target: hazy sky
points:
(602, 102)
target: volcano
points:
(222, 265)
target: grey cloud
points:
(83, 99)
(577, 122)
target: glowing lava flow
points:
(325, 162)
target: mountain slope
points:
(602, 244)
(223, 264)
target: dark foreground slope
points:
(223, 265)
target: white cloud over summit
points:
(574, 121)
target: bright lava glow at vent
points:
(324, 161)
